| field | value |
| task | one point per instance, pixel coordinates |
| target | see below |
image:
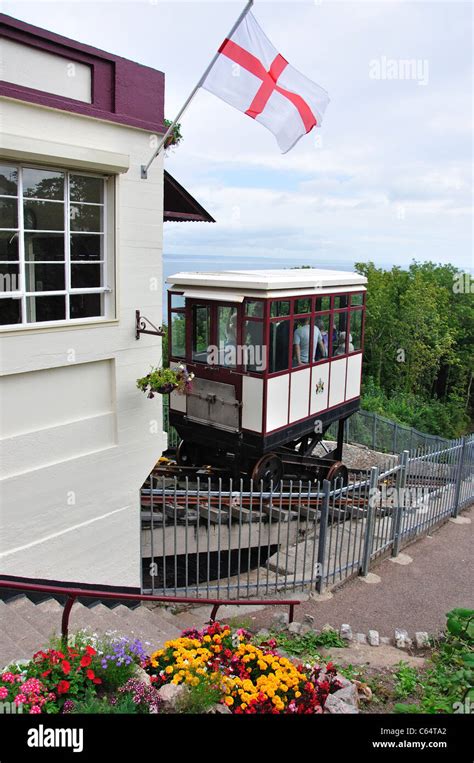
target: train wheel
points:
(187, 454)
(269, 471)
(338, 471)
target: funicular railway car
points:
(277, 358)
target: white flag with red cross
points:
(252, 76)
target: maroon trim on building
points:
(122, 91)
(179, 205)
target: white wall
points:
(80, 437)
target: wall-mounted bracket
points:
(143, 324)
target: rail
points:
(74, 593)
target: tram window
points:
(279, 308)
(177, 301)
(357, 299)
(201, 333)
(321, 336)
(323, 303)
(355, 328)
(227, 335)
(339, 334)
(302, 306)
(254, 308)
(301, 341)
(178, 334)
(254, 348)
(340, 301)
(279, 345)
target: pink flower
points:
(35, 710)
(3, 692)
(20, 699)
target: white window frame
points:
(107, 263)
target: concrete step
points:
(44, 618)
(28, 639)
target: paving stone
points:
(373, 638)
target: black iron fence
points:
(201, 536)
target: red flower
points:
(46, 673)
(86, 661)
(90, 650)
(63, 687)
(66, 667)
(97, 680)
(90, 674)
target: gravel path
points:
(413, 596)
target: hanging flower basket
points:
(162, 381)
(175, 137)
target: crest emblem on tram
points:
(319, 387)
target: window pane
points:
(83, 188)
(339, 338)
(322, 303)
(8, 180)
(43, 184)
(340, 301)
(85, 305)
(86, 247)
(177, 300)
(254, 307)
(178, 335)
(201, 330)
(44, 277)
(321, 337)
(44, 246)
(254, 359)
(51, 308)
(355, 338)
(10, 311)
(227, 335)
(86, 218)
(279, 345)
(9, 276)
(302, 306)
(8, 245)
(85, 276)
(8, 213)
(43, 215)
(301, 341)
(279, 307)
(357, 299)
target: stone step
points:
(26, 637)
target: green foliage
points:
(406, 680)
(199, 698)
(309, 644)
(449, 678)
(175, 137)
(94, 705)
(419, 334)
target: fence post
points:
(323, 528)
(371, 506)
(401, 485)
(457, 493)
(374, 432)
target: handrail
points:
(73, 593)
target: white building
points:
(80, 251)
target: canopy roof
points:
(179, 205)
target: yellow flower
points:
(169, 669)
(229, 701)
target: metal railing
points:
(362, 428)
(208, 537)
(71, 594)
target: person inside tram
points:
(231, 338)
(301, 342)
(321, 351)
(341, 344)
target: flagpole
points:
(145, 167)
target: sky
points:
(387, 177)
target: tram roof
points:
(250, 282)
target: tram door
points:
(215, 398)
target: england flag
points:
(251, 75)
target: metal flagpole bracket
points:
(142, 326)
(145, 167)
